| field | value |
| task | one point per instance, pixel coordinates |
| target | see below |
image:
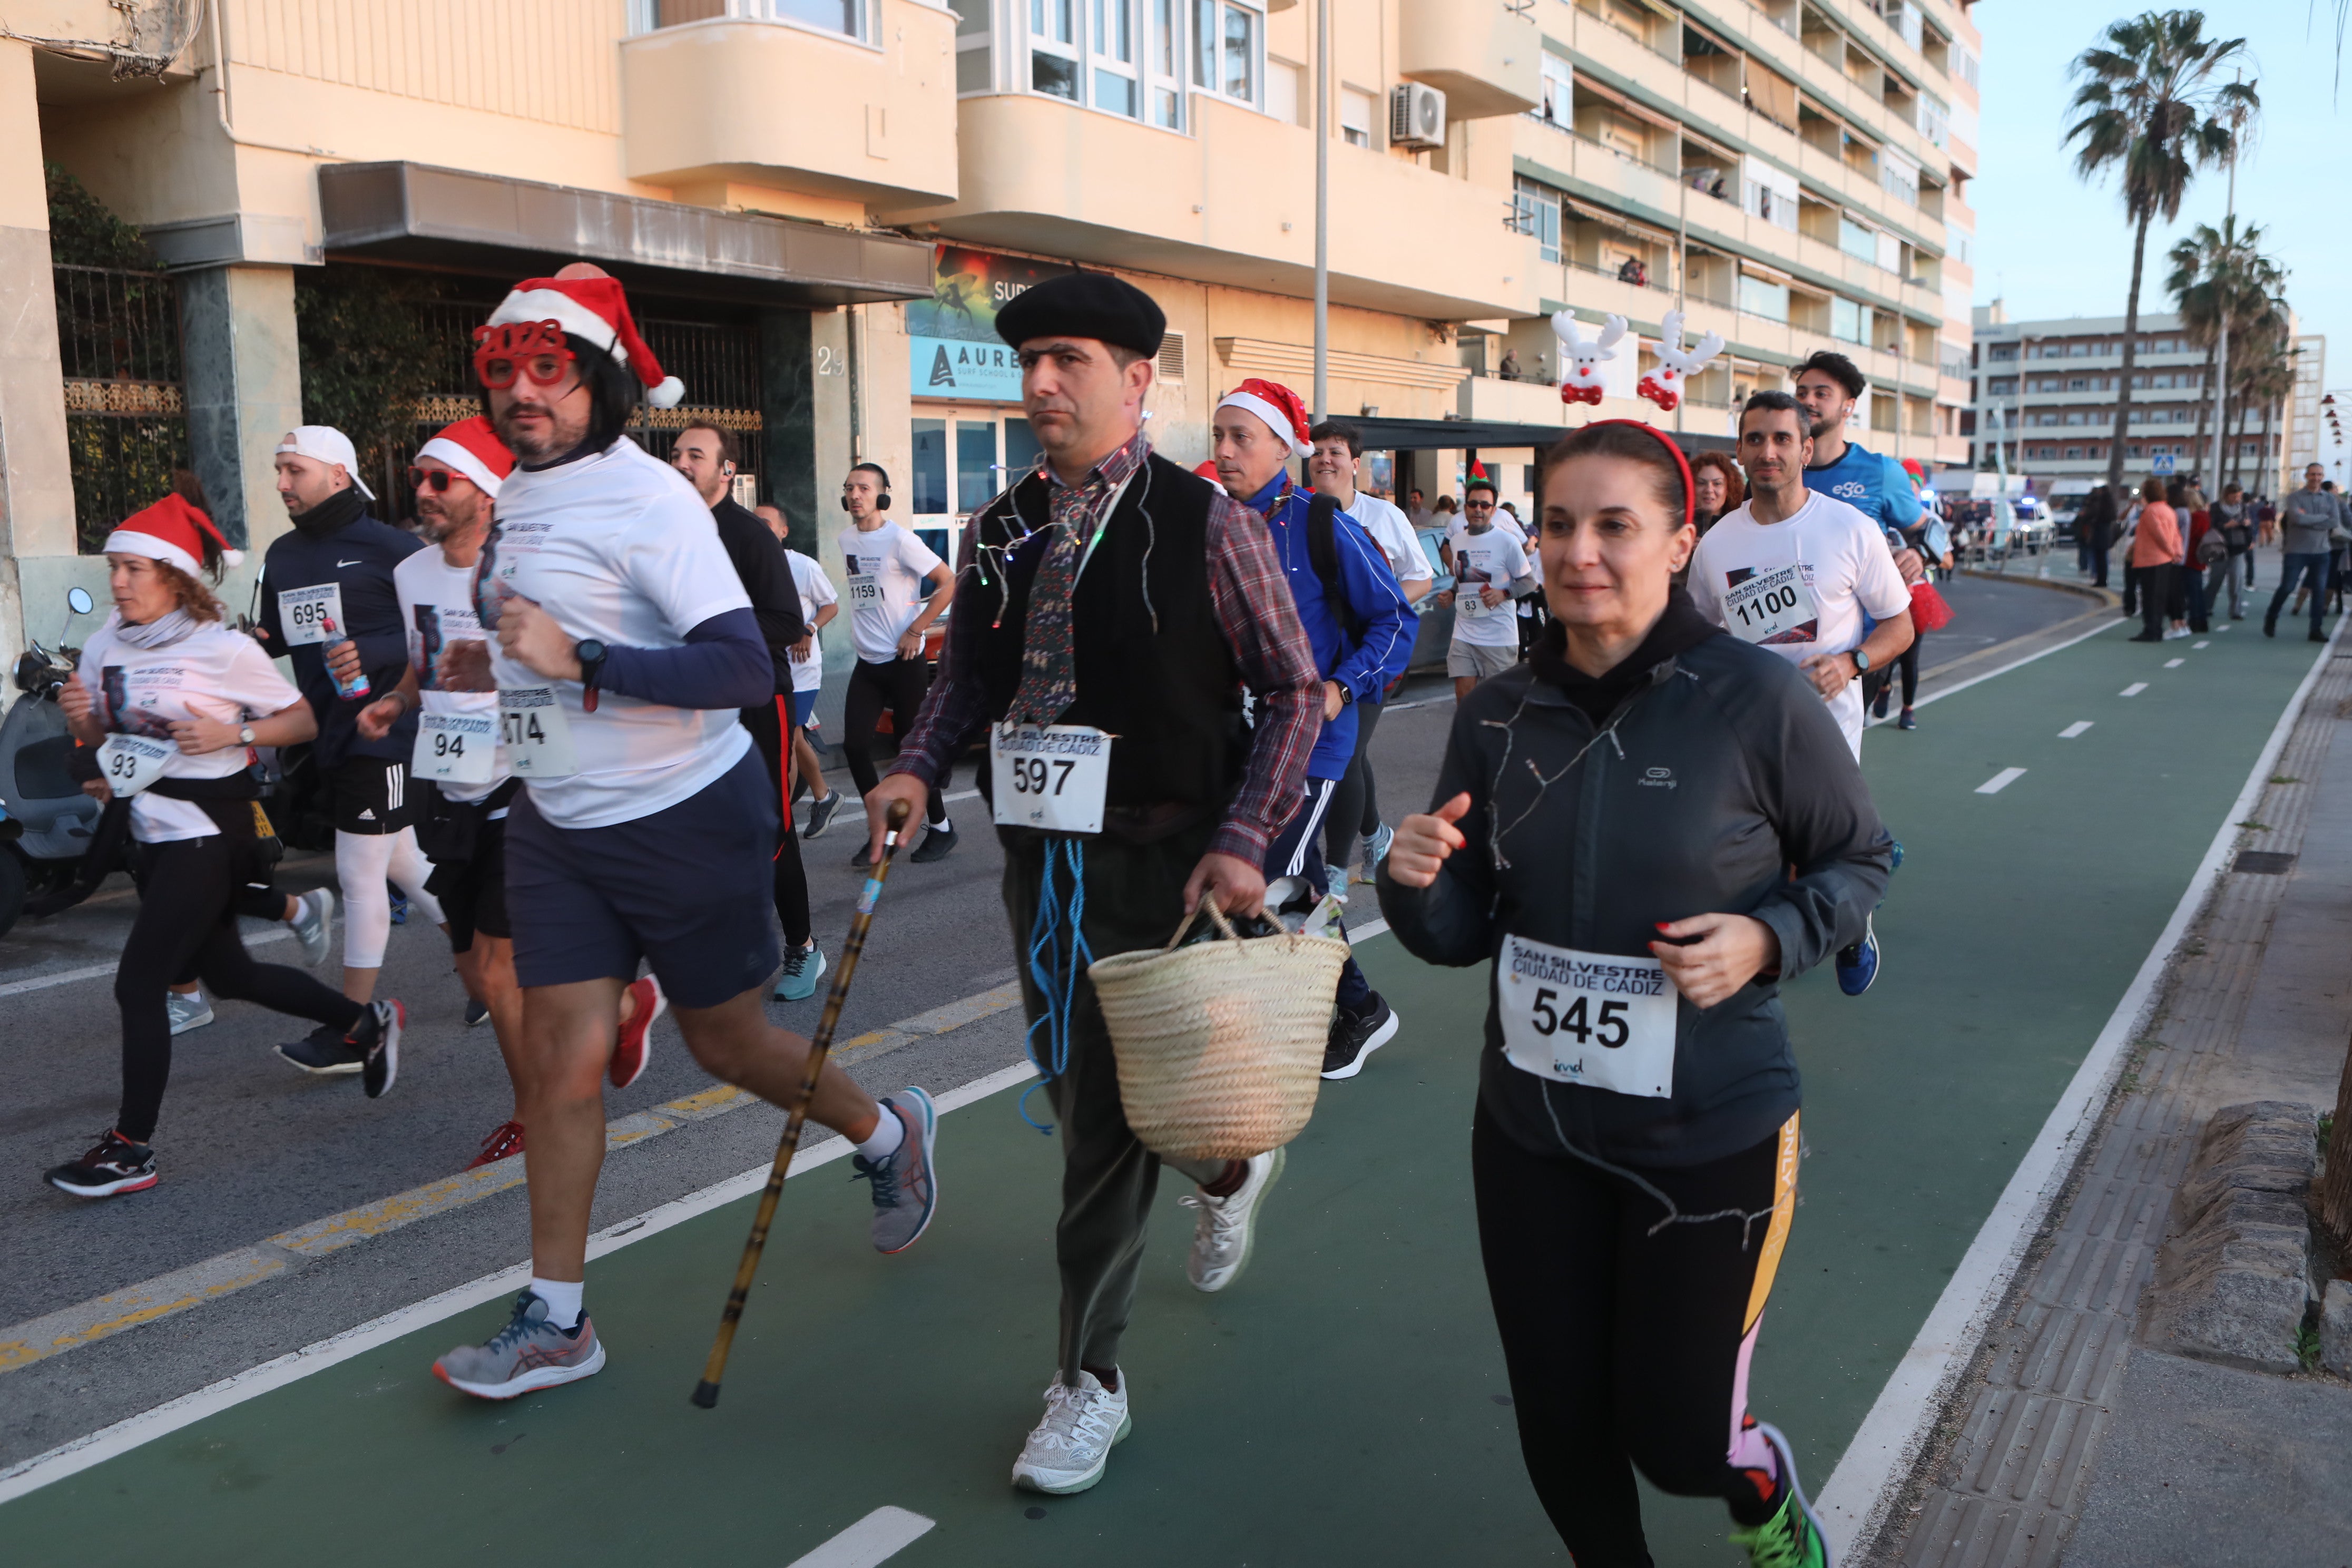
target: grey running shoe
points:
(1226, 1228)
(905, 1185)
(314, 918)
(803, 967)
(821, 815)
(1071, 1447)
(527, 1354)
(189, 1011)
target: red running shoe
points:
(504, 1142)
(636, 1035)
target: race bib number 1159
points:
(1593, 1018)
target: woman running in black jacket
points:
(1616, 828)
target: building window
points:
(1857, 240)
(2073, 453)
(848, 17)
(1357, 111)
(1536, 211)
(1760, 298)
(1964, 64)
(2001, 353)
(1852, 322)
(1122, 57)
(1559, 90)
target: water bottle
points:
(357, 687)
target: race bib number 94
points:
(455, 747)
(1772, 607)
(1594, 1018)
(1051, 778)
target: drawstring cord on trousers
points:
(1056, 978)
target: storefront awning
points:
(414, 212)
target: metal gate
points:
(126, 412)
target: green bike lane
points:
(1346, 1400)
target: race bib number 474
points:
(536, 732)
(1594, 1018)
(1051, 778)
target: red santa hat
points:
(473, 449)
(1278, 407)
(172, 532)
(589, 304)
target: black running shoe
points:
(477, 1011)
(938, 843)
(114, 1165)
(324, 1052)
(1355, 1036)
(821, 815)
(377, 1036)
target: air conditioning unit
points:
(1416, 116)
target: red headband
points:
(1690, 485)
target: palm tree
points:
(2148, 104)
(2220, 278)
(2262, 371)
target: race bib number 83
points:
(1594, 1018)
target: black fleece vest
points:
(1153, 667)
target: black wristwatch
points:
(1347, 694)
(1861, 656)
(591, 655)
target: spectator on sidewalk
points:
(2156, 551)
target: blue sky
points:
(2054, 246)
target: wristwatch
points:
(1347, 695)
(1861, 658)
(244, 733)
(590, 654)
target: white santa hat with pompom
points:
(588, 304)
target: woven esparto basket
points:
(1220, 1044)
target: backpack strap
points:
(1323, 554)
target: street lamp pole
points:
(1322, 210)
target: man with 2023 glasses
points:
(1635, 1144)
(624, 647)
(1124, 603)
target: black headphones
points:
(881, 501)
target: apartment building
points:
(818, 205)
(2046, 397)
(2306, 440)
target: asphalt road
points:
(249, 1147)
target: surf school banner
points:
(954, 351)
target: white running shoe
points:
(1221, 1237)
(1070, 1448)
(189, 1011)
(313, 921)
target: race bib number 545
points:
(1593, 1018)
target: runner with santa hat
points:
(1361, 626)
(624, 643)
(173, 702)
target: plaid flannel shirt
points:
(1251, 598)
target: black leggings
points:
(1907, 662)
(1628, 1348)
(790, 884)
(898, 686)
(187, 927)
(1355, 806)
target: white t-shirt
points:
(619, 548)
(1846, 566)
(887, 568)
(816, 593)
(213, 672)
(437, 605)
(1394, 534)
(1491, 558)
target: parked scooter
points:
(46, 820)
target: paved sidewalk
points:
(2071, 1440)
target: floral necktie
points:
(1049, 681)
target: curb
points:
(2106, 596)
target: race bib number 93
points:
(1595, 1019)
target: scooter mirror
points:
(78, 601)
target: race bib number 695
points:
(1594, 1018)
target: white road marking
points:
(101, 971)
(95, 1447)
(2197, 644)
(2174, 663)
(1884, 1449)
(876, 1538)
(2076, 728)
(2000, 781)
(960, 794)
(2000, 670)
(2134, 689)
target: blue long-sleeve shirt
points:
(1366, 667)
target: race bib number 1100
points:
(1593, 1018)
(1051, 778)
(1772, 607)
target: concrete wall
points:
(35, 481)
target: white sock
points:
(888, 1133)
(943, 826)
(562, 1299)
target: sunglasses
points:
(1477, 506)
(534, 351)
(435, 479)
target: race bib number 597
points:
(1593, 1018)
(1051, 778)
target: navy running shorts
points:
(804, 707)
(687, 890)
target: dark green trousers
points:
(1135, 896)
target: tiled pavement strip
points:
(199, 1283)
(2006, 1472)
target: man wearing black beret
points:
(1125, 603)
